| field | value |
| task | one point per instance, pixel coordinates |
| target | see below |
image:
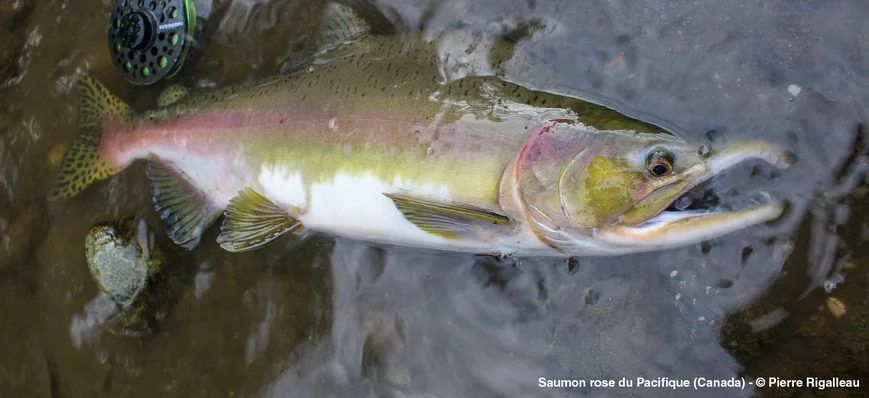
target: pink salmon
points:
(372, 142)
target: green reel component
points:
(149, 39)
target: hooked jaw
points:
(678, 228)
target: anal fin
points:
(184, 210)
(452, 220)
(252, 221)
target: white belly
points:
(346, 205)
(355, 206)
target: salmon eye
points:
(660, 163)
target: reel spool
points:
(149, 39)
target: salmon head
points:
(586, 190)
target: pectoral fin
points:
(252, 221)
(452, 221)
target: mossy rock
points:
(122, 259)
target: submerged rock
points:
(123, 261)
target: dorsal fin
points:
(341, 28)
(341, 25)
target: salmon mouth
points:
(697, 213)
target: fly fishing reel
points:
(148, 39)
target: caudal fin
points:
(83, 163)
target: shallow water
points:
(335, 317)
